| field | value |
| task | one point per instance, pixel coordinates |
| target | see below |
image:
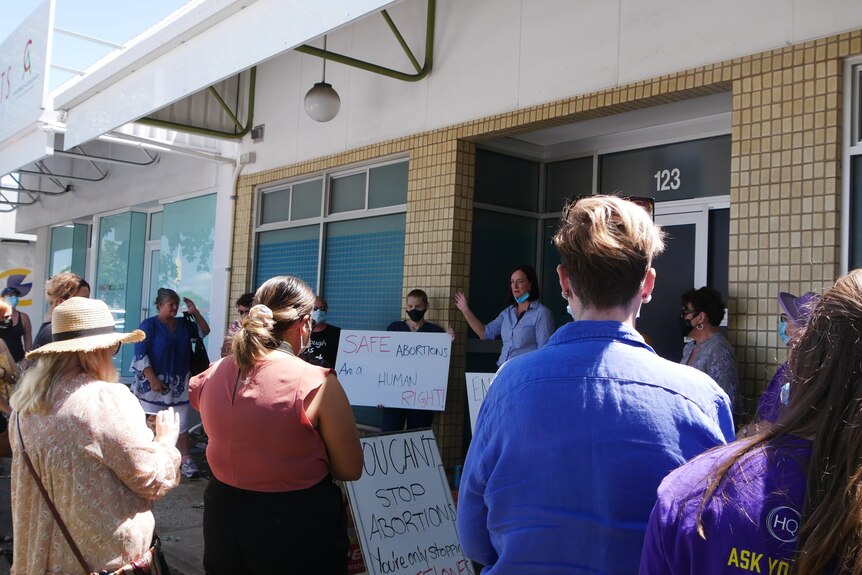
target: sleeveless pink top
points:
(259, 436)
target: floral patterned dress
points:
(168, 353)
(99, 463)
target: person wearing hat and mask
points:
(791, 322)
(16, 332)
(84, 435)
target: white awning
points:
(205, 43)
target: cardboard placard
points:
(403, 510)
(477, 389)
(394, 369)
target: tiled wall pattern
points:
(785, 194)
(785, 191)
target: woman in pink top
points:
(280, 430)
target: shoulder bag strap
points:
(192, 326)
(78, 555)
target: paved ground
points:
(179, 520)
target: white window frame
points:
(325, 218)
(851, 147)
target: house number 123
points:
(667, 180)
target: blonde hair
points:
(63, 285)
(34, 392)
(290, 299)
(607, 245)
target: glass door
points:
(683, 265)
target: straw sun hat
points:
(83, 324)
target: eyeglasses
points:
(686, 311)
(321, 308)
(243, 311)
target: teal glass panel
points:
(275, 206)
(388, 185)
(364, 270)
(69, 249)
(290, 252)
(306, 200)
(855, 212)
(500, 242)
(347, 193)
(185, 262)
(566, 180)
(156, 225)
(506, 181)
(153, 284)
(119, 271)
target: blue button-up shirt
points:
(570, 445)
(521, 335)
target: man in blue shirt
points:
(573, 439)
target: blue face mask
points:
(782, 332)
(318, 316)
(784, 394)
(13, 300)
(523, 298)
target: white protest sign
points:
(394, 369)
(402, 508)
(477, 389)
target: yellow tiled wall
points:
(785, 193)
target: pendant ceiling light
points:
(322, 102)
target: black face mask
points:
(6, 322)
(416, 315)
(685, 326)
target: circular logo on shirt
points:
(783, 523)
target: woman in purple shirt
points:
(524, 326)
(788, 500)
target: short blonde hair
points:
(63, 285)
(33, 393)
(607, 245)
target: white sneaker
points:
(189, 469)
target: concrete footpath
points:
(179, 520)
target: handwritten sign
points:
(394, 369)
(403, 510)
(477, 389)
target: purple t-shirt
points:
(769, 408)
(751, 522)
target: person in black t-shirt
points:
(323, 347)
(397, 419)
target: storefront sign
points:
(695, 169)
(394, 369)
(403, 510)
(24, 71)
(477, 389)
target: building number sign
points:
(666, 180)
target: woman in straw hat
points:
(280, 430)
(89, 446)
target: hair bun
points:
(261, 315)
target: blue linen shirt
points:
(521, 336)
(570, 445)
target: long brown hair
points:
(826, 405)
(290, 299)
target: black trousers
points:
(256, 533)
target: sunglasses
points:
(243, 311)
